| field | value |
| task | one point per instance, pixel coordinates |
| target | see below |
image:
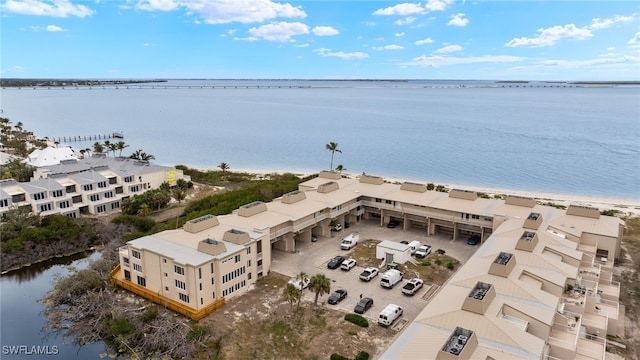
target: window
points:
(115, 205)
(87, 187)
(101, 208)
(199, 273)
(38, 196)
(45, 207)
(178, 269)
(142, 281)
(166, 288)
(184, 297)
(128, 179)
(212, 281)
(249, 276)
(94, 197)
(102, 184)
(212, 268)
(249, 263)
(4, 203)
(200, 286)
(135, 254)
(134, 188)
(137, 267)
(237, 258)
(125, 261)
(248, 250)
(57, 193)
(108, 194)
(63, 204)
(181, 285)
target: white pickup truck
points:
(350, 241)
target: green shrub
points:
(149, 315)
(362, 355)
(450, 265)
(357, 319)
(119, 326)
(426, 263)
(196, 333)
(440, 251)
(352, 332)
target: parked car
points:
(423, 251)
(363, 305)
(473, 240)
(335, 262)
(412, 286)
(348, 264)
(314, 238)
(390, 278)
(337, 296)
(369, 273)
(349, 241)
(299, 284)
(389, 314)
(393, 223)
(336, 227)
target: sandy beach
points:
(628, 206)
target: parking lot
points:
(312, 258)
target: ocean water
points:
(549, 137)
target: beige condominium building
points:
(540, 286)
(94, 185)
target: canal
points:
(22, 333)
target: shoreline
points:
(628, 206)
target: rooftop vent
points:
(415, 187)
(527, 241)
(520, 201)
(584, 211)
(370, 179)
(212, 247)
(533, 221)
(479, 298)
(328, 187)
(251, 209)
(463, 194)
(293, 197)
(330, 175)
(68, 161)
(502, 264)
(201, 223)
(460, 345)
(235, 236)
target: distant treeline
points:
(70, 82)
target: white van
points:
(414, 245)
(389, 314)
(390, 278)
(350, 241)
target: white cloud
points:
(301, 45)
(341, 55)
(54, 28)
(325, 31)
(406, 21)
(634, 42)
(229, 32)
(280, 31)
(458, 20)
(55, 8)
(400, 34)
(597, 23)
(437, 61)
(227, 11)
(551, 36)
(402, 9)
(449, 49)
(438, 5)
(591, 63)
(388, 47)
(424, 41)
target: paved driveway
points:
(312, 258)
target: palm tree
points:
(291, 294)
(303, 278)
(340, 169)
(320, 284)
(144, 210)
(179, 194)
(120, 145)
(98, 148)
(333, 147)
(224, 167)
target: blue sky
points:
(433, 39)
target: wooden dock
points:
(66, 139)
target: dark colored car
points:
(337, 296)
(363, 305)
(473, 240)
(335, 262)
(393, 223)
